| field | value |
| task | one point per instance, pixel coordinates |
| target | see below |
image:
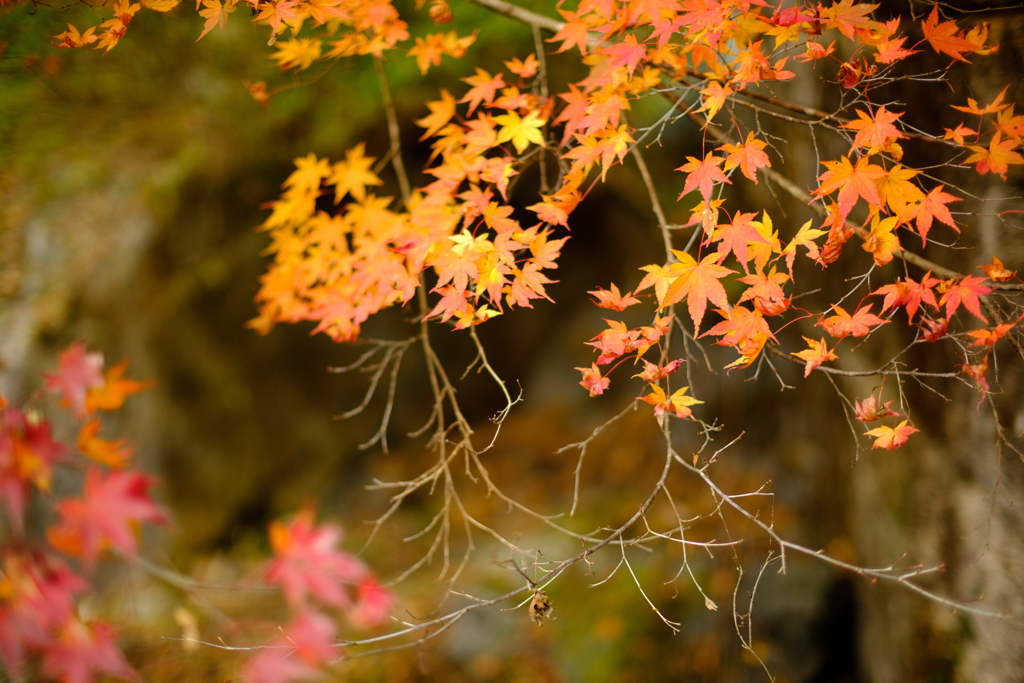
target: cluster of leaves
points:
(39, 589)
(454, 244)
(38, 614)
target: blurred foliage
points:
(170, 121)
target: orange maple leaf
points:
(353, 175)
(485, 87)
(996, 272)
(216, 15)
(842, 324)
(817, 354)
(803, 238)
(441, 112)
(572, 33)
(110, 453)
(613, 299)
(944, 37)
(997, 157)
(851, 181)
(111, 395)
(714, 97)
(699, 284)
(678, 403)
(931, 207)
(875, 132)
(890, 438)
(749, 156)
(847, 16)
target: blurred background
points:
(130, 189)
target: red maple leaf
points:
(79, 372)
(80, 650)
(307, 561)
(966, 292)
(106, 515)
(373, 604)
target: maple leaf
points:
(107, 514)
(996, 272)
(874, 132)
(997, 157)
(298, 53)
(81, 649)
(931, 207)
(441, 112)
(977, 372)
(714, 97)
(744, 330)
(996, 106)
(766, 291)
(79, 372)
(112, 394)
(890, 51)
(216, 14)
(699, 284)
(653, 372)
(944, 38)
(307, 561)
(678, 403)
(735, 236)
(814, 356)
(966, 292)
(803, 238)
(72, 38)
(958, 134)
(484, 88)
(613, 299)
(909, 293)
(702, 175)
(868, 410)
(627, 53)
(110, 453)
(353, 175)
(991, 337)
(613, 342)
(881, 241)
(749, 156)
(852, 182)
(847, 16)
(890, 438)
(523, 68)
(373, 604)
(897, 192)
(521, 131)
(593, 381)
(843, 324)
(572, 33)
(304, 646)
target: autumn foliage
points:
(459, 245)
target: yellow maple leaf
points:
(519, 130)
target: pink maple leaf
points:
(79, 372)
(308, 562)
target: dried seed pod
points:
(540, 607)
